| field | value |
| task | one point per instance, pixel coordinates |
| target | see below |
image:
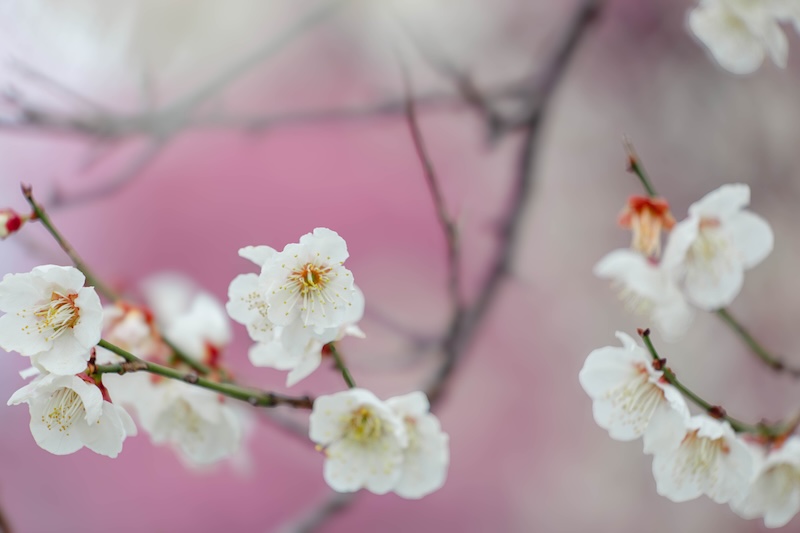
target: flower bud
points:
(10, 222)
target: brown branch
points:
(465, 322)
(446, 222)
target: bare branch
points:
(319, 513)
(445, 220)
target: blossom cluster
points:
(302, 299)
(89, 361)
(740, 33)
(53, 319)
(692, 455)
(396, 445)
(703, 263)
(635, 396)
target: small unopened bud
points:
(10, 222)
(646, 218)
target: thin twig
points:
(715, 411)
(464, 322)
(340, 365)
(773, 361)
(636, 167)
(319, 513)
(91, 279)
(256, 398)
(446, 222)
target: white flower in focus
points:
(738, 33)
(710, 460)
(67, 413)
(649, 290)
(363, 438)
(309, 283)
(299, 349)
(197, 422)
(631, 399)
(711, 249)
(428, 454)
(775, 490)
(50, 316)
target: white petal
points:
(734, 48)
(18, 292)
(89, 327)
(426, 460)
(257, 254)
(306, 365)
(716, 287)
(19, 334)
(752, 237)
(722, 202)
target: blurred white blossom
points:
(710, 460)
(710, 250)
(739, 33)
(631, 399)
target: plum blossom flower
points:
(364, 441)
(739, 33)
(647, 217)
(51, 317)
(648, 289)
(309, 283)
(198, 423)
(774, 492)
(428, 454)
(286, 350)
(710, 250)
(193, 320)
(710, 460)
(10, 222)
(631, 399)
(68, 413)
(293, 347)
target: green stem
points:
(635, 166)
(91, 279)
(254, 397)
(348, 378)
(716, 411)
(762, 353)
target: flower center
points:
(364, 426)
(57, 315)
(65, 406)
(637, 399)
(310, 277)
(703, 453)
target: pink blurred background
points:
(526, 454)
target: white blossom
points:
(193, 320)
(51, 317)
(710, 460)
(309, 283)
(300, 352)
(293, 346)
(198, 423)
(774, 492)
(710, 250)
(364, 441)
(68, 413)
(428, 454)
(739, 33)
(631, 399)
(648, 289)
